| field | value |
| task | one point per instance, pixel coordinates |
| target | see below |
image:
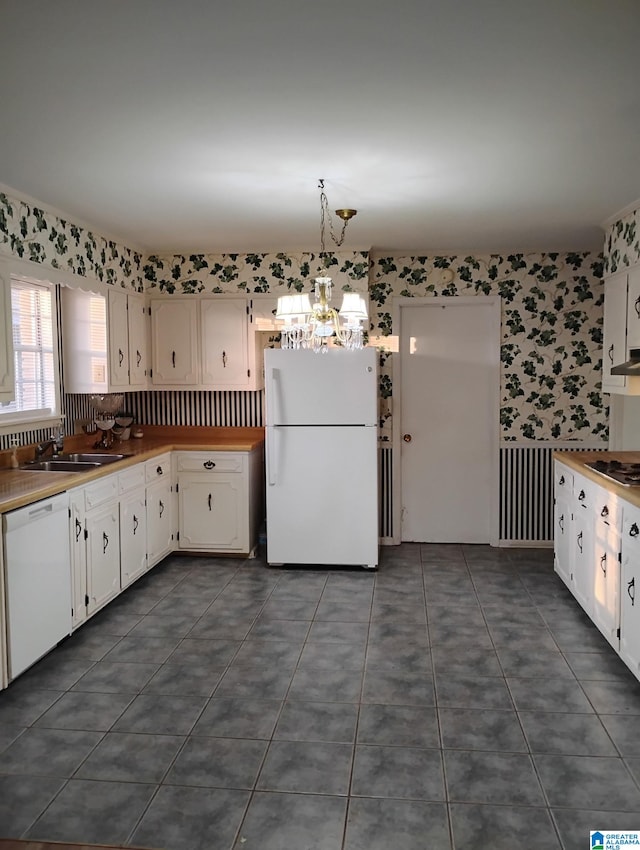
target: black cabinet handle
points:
(634, 531)
(579, 541)
(78, 529)
(161, 505)
(224, 359)
(603, 563)
(208, 464)
(135, 523)
(160, 470)
(105, 542)
(637, 306)
(632, 596)
(173, 359)
(561, 523)
(582, 496)
(120, 356)
(605, 511)
(209, 501)
(561, 481)
(610, 353)
(138, 357)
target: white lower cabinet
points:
(606, 558)
(95, 546)
(133, 536)
(219, 501)
(160, 533)
(103, 556)
(629, 589)
(603, 550)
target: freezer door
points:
(335, 387)
(322, 496)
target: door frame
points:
(492, 303)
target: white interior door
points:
(448, 426)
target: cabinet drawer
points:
(131, 478)
(101, 492)
(159, 467)
(211, 462)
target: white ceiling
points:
(203, 126)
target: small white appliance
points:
(321, 457)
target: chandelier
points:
(311, 326)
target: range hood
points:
(630, 366)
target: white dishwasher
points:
(38, 580)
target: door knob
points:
(407, 438)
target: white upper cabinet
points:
(205, 343)
(174, 342)
(621, 329)
(223, 327)
(7, 390)
(105, 341)
(615, 332)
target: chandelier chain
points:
(325, 215)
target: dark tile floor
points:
(458, 698)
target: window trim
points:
(21, 421)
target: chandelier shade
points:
(312, 325)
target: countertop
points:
(22, 487)
(577, 460)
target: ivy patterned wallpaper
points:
(254, 273)
(28, 232)
(622, 243)
(551, 304)
(551, 329)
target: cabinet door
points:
(138, 324)
(583, 555)
(562, 521)
(78, 549)
(629, 589)
(7, 390)
(213, 512)
(615, 330)
(118, 339)
(133, 537)
(633, 308)
(223, 326)
(103, 556)
(159, 521)
(606, 585)
(174, 344)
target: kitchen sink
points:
(89, 457)
(56, 465)
(72, 462)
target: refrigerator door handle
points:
(274, 386)
(272, 457)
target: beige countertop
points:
(22, 487)
(577, 461)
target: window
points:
(33, 314)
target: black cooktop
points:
(627, 474)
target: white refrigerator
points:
(321, 457)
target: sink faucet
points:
(55, 443)
(42, 448)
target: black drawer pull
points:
(209, 501)
(582, 496)
(208, 464)
(160, 470)
(561, 481)
(632, 596)
(604, 511)
(634, 530)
